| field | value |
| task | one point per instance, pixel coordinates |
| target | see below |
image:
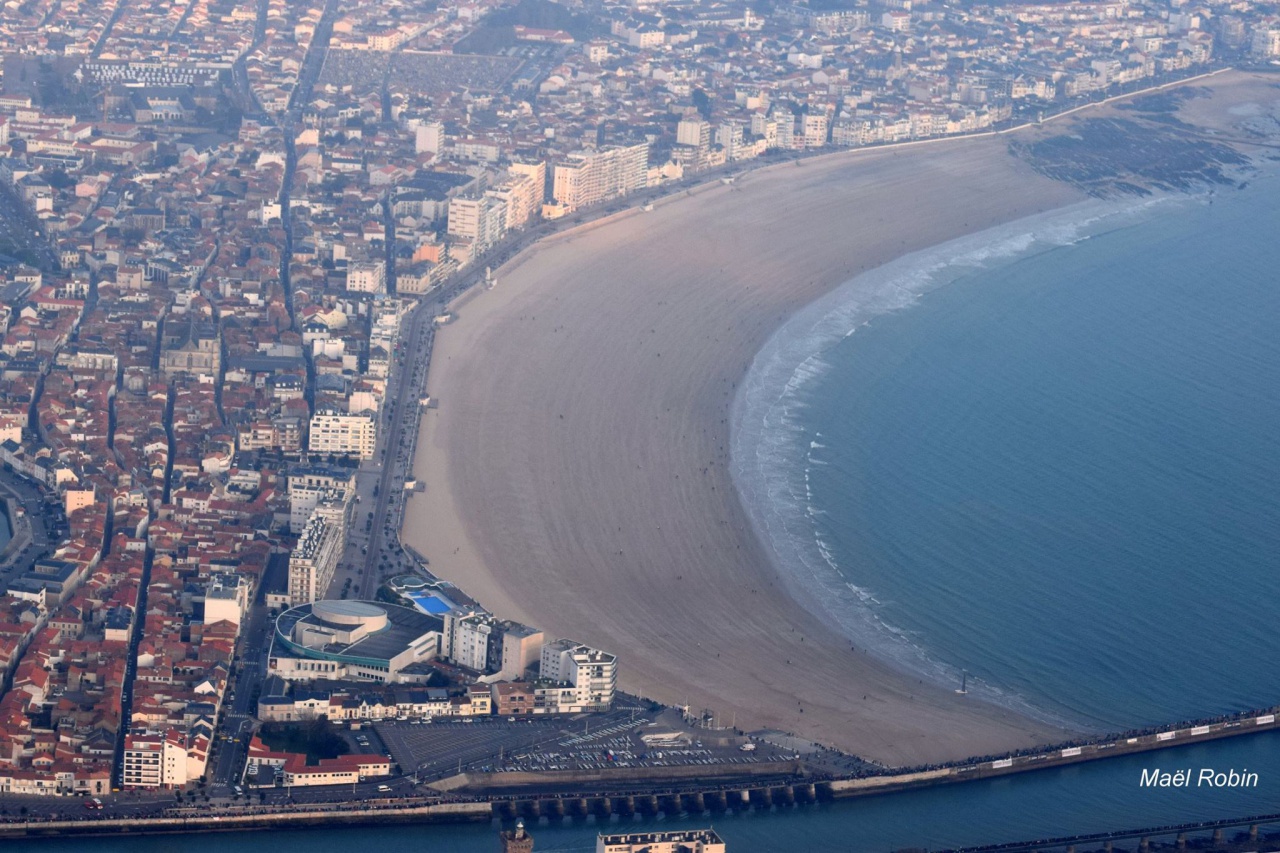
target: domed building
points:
(354, 640)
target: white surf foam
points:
(768, 436)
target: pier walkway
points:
(1205, 835)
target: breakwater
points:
(1259, 832)
(553, 794)
(559, 795)
(230, 822)
(1147, 740)
(754, 795)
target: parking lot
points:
(367, 742)
(623, 745)
(441, 748)
(627, 738)
(368, 70)
(444, 73)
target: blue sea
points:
(1046, 456)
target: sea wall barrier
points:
(1129, 743)
(630, 776)
(321, 816)
(1211, 835)
(668, 802)
(736, 790)
(623, 791)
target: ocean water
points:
(1047, 456)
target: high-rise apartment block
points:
(315, 558)
(591, 177)
(343, 433)
(593, 673)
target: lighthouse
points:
(516, 840)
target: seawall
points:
(644, 791)
(438, 813)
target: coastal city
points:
(230, 231)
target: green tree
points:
(702, 101)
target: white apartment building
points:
(694, 132)
(556, 659)
(226, 599)
(367, 277)
(428, 138)
(529, 190)
(162, 761)
(521, 195)
(896, 20)
(466, 639)
(343, 434)
(765, 128)
(646, 39)
(785, 129)
(593, 673)
(521, 649)
(729, 136)
(592, 177)
(815, 130)
(693, 144)
(308, 484)
(1266, 41)
(482, 219)
(314, 559)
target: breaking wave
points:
(772, 452)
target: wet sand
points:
(576, 467)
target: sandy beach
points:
(576, 465)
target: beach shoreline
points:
(811, 680)
(577, 466)
(770, 438)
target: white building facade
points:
(343, 434)
(592, 177)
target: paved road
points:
(33, 537)
(238, 724)
(20, 230)
(392, 458)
